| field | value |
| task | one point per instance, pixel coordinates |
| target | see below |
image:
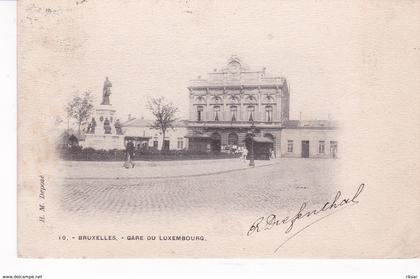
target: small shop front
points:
(262, 147)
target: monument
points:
(106, 92)
(104, 130)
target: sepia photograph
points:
(208, 129)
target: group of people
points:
(130, 149)
(244, 154)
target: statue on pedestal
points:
(92, 126)
(106, 92)
(118, 128)
(107, 126)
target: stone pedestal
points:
(106, 142)
(105, 120)
(102, 134)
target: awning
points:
(262, 140)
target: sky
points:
(153, 48)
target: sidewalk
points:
(158, 169)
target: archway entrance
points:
(216, 141)
(272, 145)
(232, 139)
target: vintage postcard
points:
(218, 129)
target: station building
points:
(235, 101)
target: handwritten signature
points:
(271, 221)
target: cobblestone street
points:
(227, 186)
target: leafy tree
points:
(80, 108)
(164, 113)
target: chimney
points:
(300, 116)
(129, 117)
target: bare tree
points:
(80, 108)
(164, 113)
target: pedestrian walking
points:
(129, 150)
(244, 154)
(272, 154)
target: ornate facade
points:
(225, 105)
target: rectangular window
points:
(289, 146)
(333, 149)
(200, 113)
(216, 113)
(234, 111)
(166, 145)
(321, 148)
(180, 143)
(155, 143)
(251, 110)
(268, 113)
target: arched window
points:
(268, 113)
(200, 99)
(269, 98)
(199, 113)
(233, 99)
(251, 98)
(216, 113)
(217, 100)
(233, 113)
(251, 113)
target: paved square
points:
(220, 186)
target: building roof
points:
(147, 123)
(134, 122)
(314, 124)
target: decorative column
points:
(224, 113)
(260, 116)
(192, 111)
(241, 107)
(277, 110)
(207, 110)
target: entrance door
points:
(272, 146)
(216, 142)
(305, 149)
(166, 145)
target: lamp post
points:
(251, 154)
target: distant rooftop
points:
(147, 123)
(311, 124)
